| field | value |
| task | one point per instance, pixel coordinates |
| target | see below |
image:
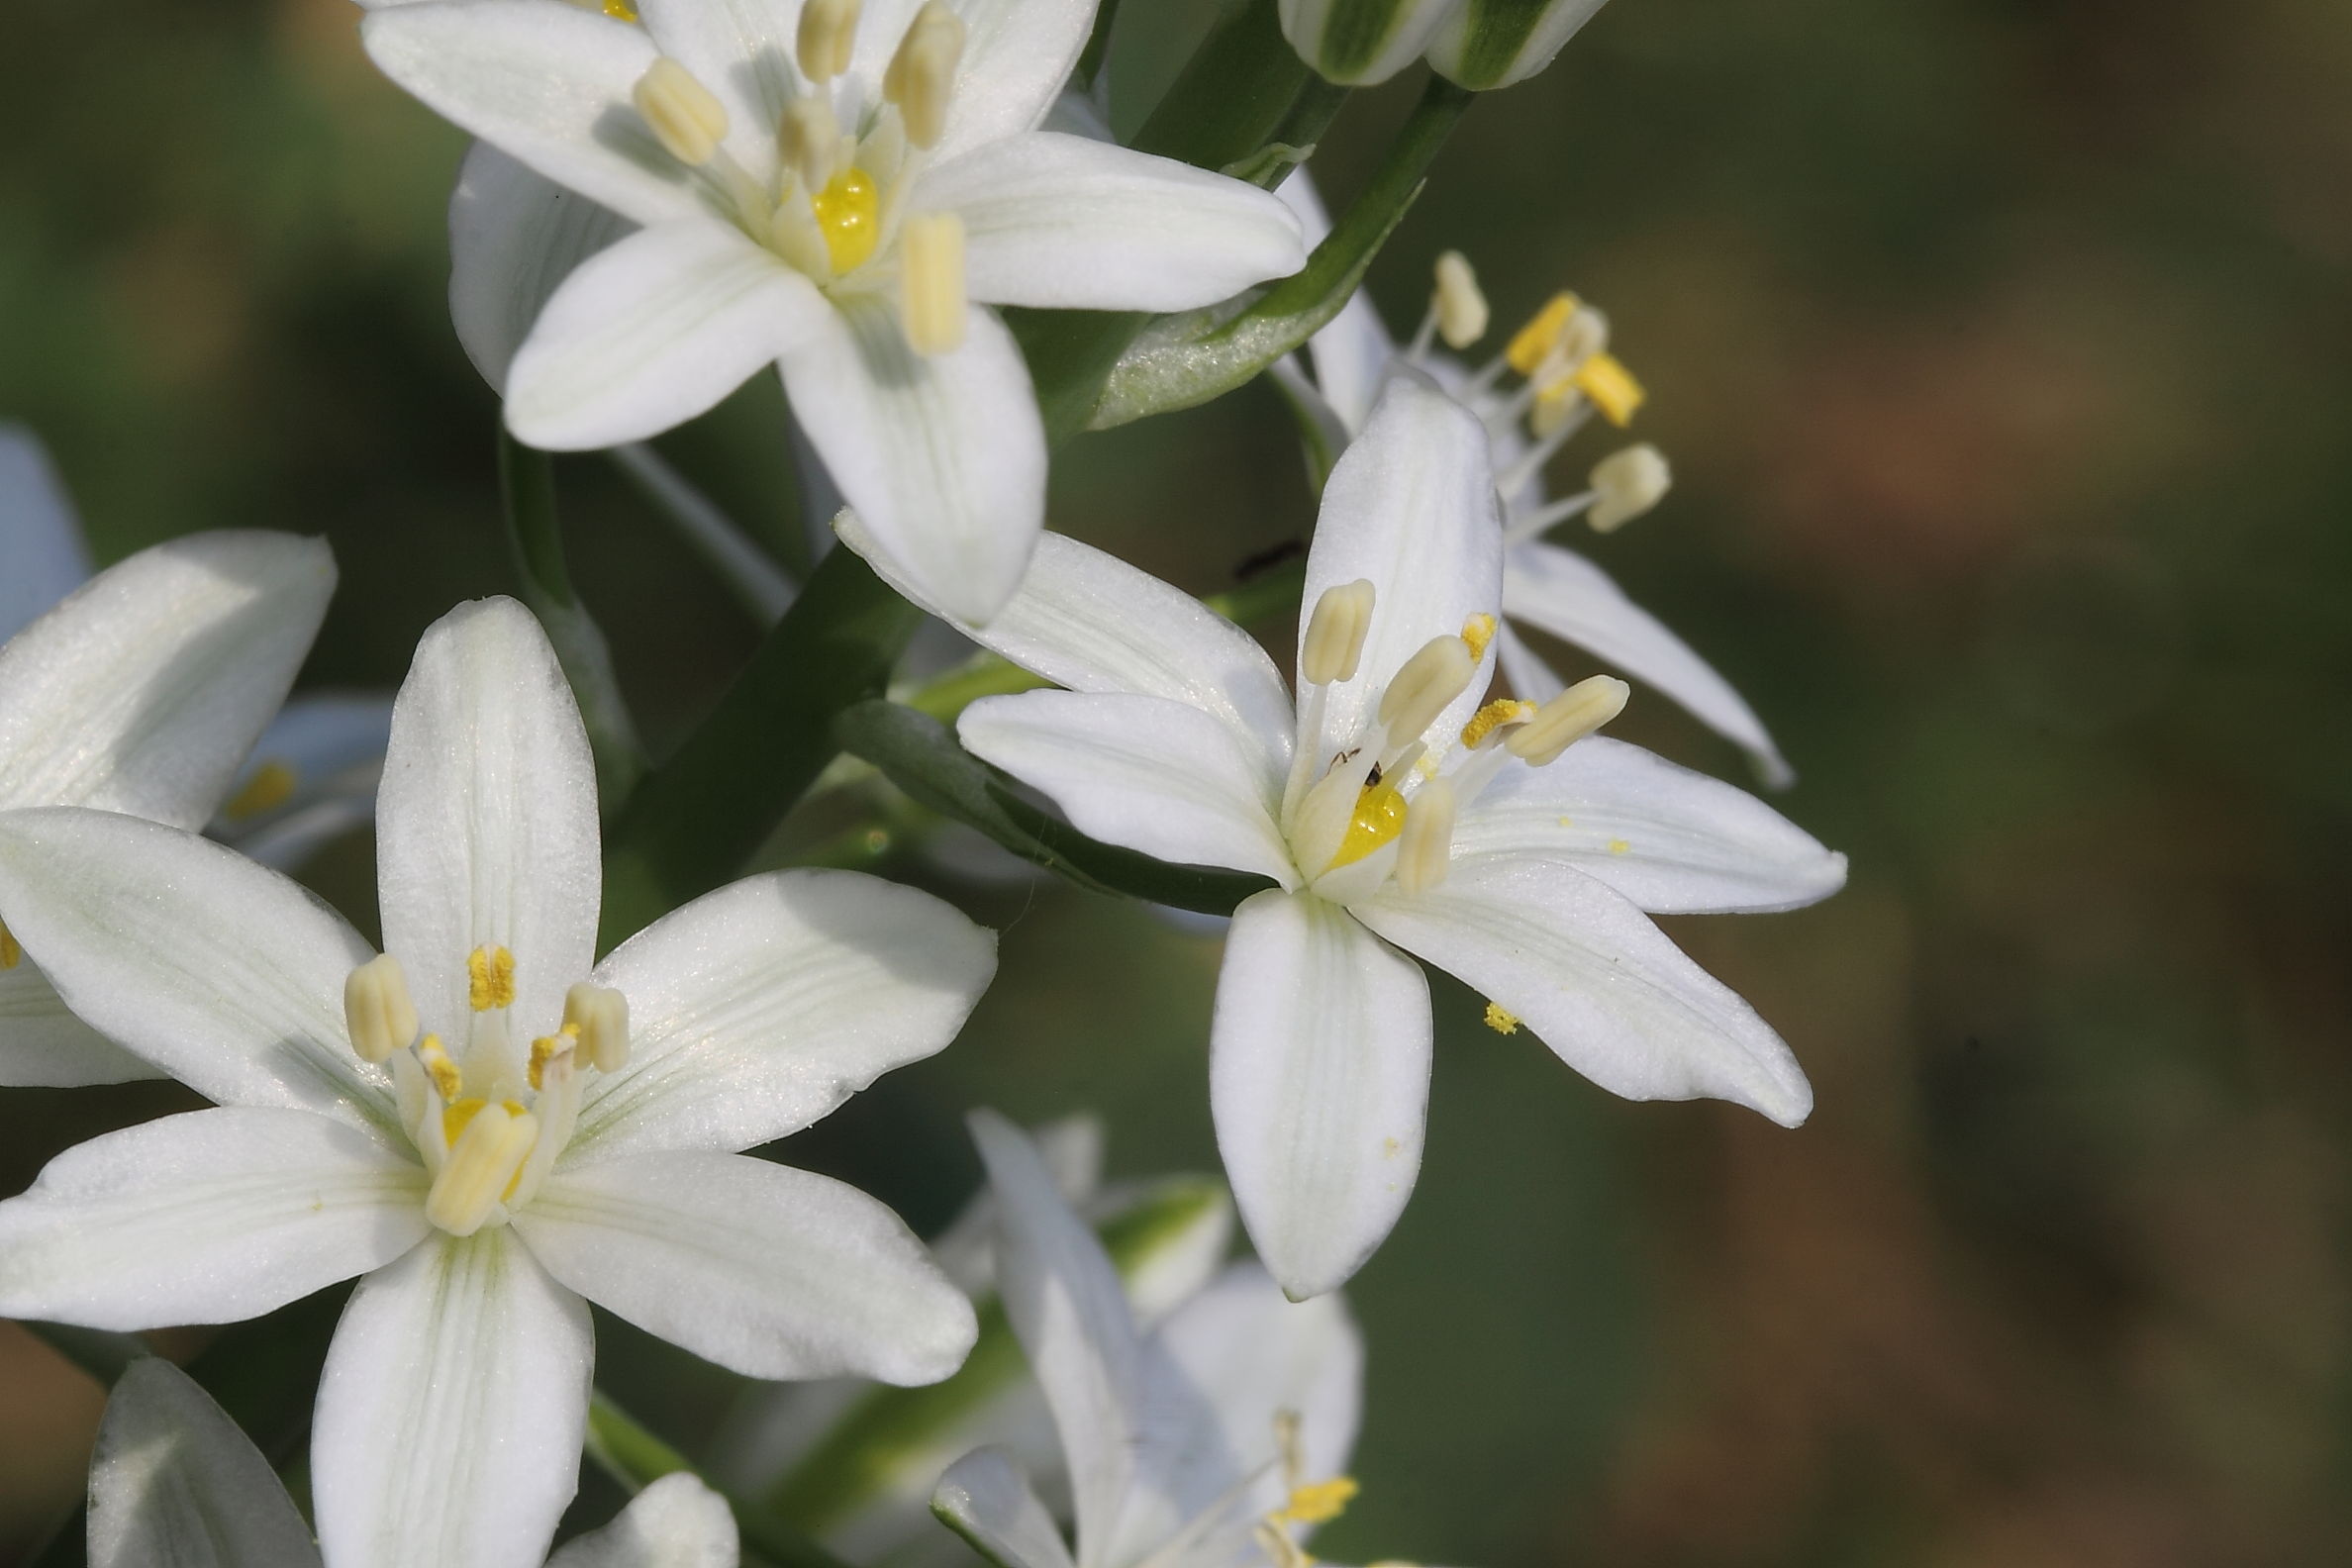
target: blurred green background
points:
(2003, 353)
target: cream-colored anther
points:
(828, 29)
(1433, 677)
(483, 1164)
(683, 114)
(931, 282)
(1335, 641)
(1461, 305)
(1426, 846)
(1625, 484)
(809, 138)
(598, 1015)
(377, 1009)
(922, 76)
(1567, 719)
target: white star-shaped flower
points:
(526, 1131)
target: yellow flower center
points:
(848, 215)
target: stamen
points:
(1625, 484)
(1280, 1549)
(1433, 678)
(447, 1081)
(1478, 630)
(794, 235)
(271, 786)
(545, 1053)
(1492, 717)
(1460, 306)
(828, 29)
(1603, 378)
(1334, 641)
(598, 1017)
(931, 282)
(484, 1161)
(490, 978)
(1535, 342)
(809, 138)
(1319, 1502)
(378, 1012)
(1501, 1019)
(1567, 719)
(10, 953)
(1425, 847)
(848, 212)
(683, 114)
(921, 77)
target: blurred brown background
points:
(2003, 353)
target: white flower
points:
(139, 693)
(1547, 587)
(524, 1131)
(1391, 808)
(1208, 1443)
(834, 188)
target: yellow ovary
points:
(620, 10)
(1379, 817)
(848, 214)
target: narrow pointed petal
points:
(1560, 591)
(1145, 772)
(220, 972)
(1086, 620)
(986, 1499)
(547, 82)
(767, 1271)
(141, 692)
(943, 457)
(1674, 841)
(1409, 507)
(201, 1217)
(486, 827)
(175, 1484)
(676, 1523)
(43, 1045)
(1017, 55)
(1062, 222)
(1585, 969)
(1318, 1078)
(514, 236)
(653, 331)
(758, 1009)
(40, 537)
(452, 1411)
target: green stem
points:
(757, 583)
(1272, 592)
(695, 819)
(984, 674)
(625, 1451)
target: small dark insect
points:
(1373, 777)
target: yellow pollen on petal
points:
(1319, 1502)
(10, 953)
(271, 786)
(1492, 717)
(447, 1081)
(1605, 379)
(1478, 631)
(1501, 1019)
(1619, 846)
(1533, 342)
(848, 212)
(490, 978)
(1379, 817)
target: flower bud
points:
(1488, 43)
(1357, 43)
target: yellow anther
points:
(921, 76)
(683, 115)
(1603, 378)
(378, 1014)
(490, 978)
(620, 10)
(543, 1053)
(1433, 677)
(1567, 719)
(1478, 631)
(828, 29)
(848, 214)
(1625, 484)
(1533, 343)
(1461, 308)
(1425, 847)
(1501, 1019)
(1335, 641)
(447, 1081)
(931, 282)
(271, 786)
(809, 138)
(1379, 817)
(10, 953)
(598, 1017)
(1319, 1502)
(456, 1114)
(485, 1159)
(1492, 717)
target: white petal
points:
(514, 236)
(174, 1484)
(769, 1271)
(1598, 983)
(1060, 220)
(1016, 55)
(1145, 772)
(652, 330)
(942, 456)
(40, 539)
(219, 971)
(1558, 591)
(452, 1411)
(1319, 1079)
(206, 1216)
(43, 1045)
(141, 692)
(676, 1523)
(486, 830)
(985, 1499)
(1410, 505)
(758, 1009)
(1351, 354)
(547, 81)
(1086, 620)
(1674, 841)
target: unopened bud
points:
(1625, 484)
(1356, 42)
(1567, 719)
(1425, 847)
(1335, 641)
(599, 1016)
(1485, 47)
(1461, 308)
(931, 282)
(1433, 677)
(921, 77)
(378, 1012)
(683, 114)
(827, 31)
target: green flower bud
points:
(1357, 43)
(1488, 43)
